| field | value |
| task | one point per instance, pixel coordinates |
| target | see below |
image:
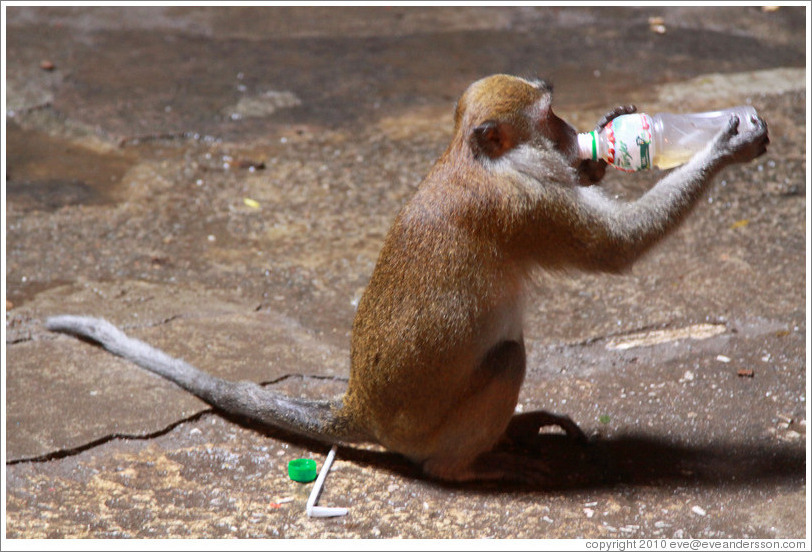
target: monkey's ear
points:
(493, 139)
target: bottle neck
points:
(588, 145)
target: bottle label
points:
(629, 138)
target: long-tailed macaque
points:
(437, 351)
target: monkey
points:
(437, 353)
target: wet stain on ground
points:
(46, 172)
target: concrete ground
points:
(219, 181)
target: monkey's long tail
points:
(320, 420)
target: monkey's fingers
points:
(762, 133)
(591, 172)
(616, 112)
(738, 144)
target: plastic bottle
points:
(639, 141)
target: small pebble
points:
(657, 25)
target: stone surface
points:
(218, 181)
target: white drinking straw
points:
(323, 511)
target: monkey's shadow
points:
(631, 459)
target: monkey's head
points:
(499, 113)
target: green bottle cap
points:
(302, 470)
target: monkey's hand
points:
(591, 172)
(733, 145)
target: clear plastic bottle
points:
(639, 141)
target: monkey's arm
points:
(612, 235)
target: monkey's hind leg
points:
(472, 440)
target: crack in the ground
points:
(167, 136)
(17, 340)
(79, 449)
(73, 451)
(45, 335)
(284, 377)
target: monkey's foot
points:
(523, 429)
